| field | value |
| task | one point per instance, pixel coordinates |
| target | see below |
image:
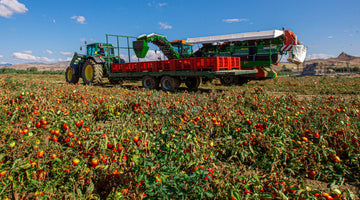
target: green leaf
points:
(209, 194)
(90, 188)
(140, 177)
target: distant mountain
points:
(346, 57)
(340, 61)
(5, 64)
(41, 66)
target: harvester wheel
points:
(192, 83)
(70, 75)
(92, 72)
(150, 82)
(168, 83)
(227, 80)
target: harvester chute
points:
(141, 46)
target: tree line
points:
(30, 70)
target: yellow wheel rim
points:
(89, 73)
(69, 74)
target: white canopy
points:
(237, 37)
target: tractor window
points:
(90, 50)
(109, 51)
(177, 48)
(101, 51)
(187, 49)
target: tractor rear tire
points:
(169, 83)
(150, 82)
(70, 75)
(192, 83)
(92, 73)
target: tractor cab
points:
(101, 49)
(183, 49)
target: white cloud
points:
(54, 21)
(10, 7)
(162, 4)
(47, 51)
(330, 37)
(164, 26)
(66, 53)
(67, 59)
(79, 19)
(235, 20)
(28, 57)
(318, 56)
(28, 52)
(155, 4)
(150, 56)
(1, 56)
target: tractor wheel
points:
(169, 83)
(150, 82)
(192, 83)
(227, 80)
(115, 81)
(70, 75)
(92, 72)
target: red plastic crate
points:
(143, 66)
(234, 62)
(183, 64)
(114, 68)
(165, 65)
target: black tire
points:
(168, 83)
(70, 75)
(227, 80)
(150, 82)
(192, 83)
(115, 81)
(92, 73)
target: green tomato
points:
(12, 144)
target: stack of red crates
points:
(188, 64)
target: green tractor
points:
(93, 66)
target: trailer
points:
(102, 62)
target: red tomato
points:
(76, 161)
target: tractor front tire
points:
(70, 75)
(92, 72)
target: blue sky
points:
(50, 31)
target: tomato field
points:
(285, 138)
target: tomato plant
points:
(267, 139)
